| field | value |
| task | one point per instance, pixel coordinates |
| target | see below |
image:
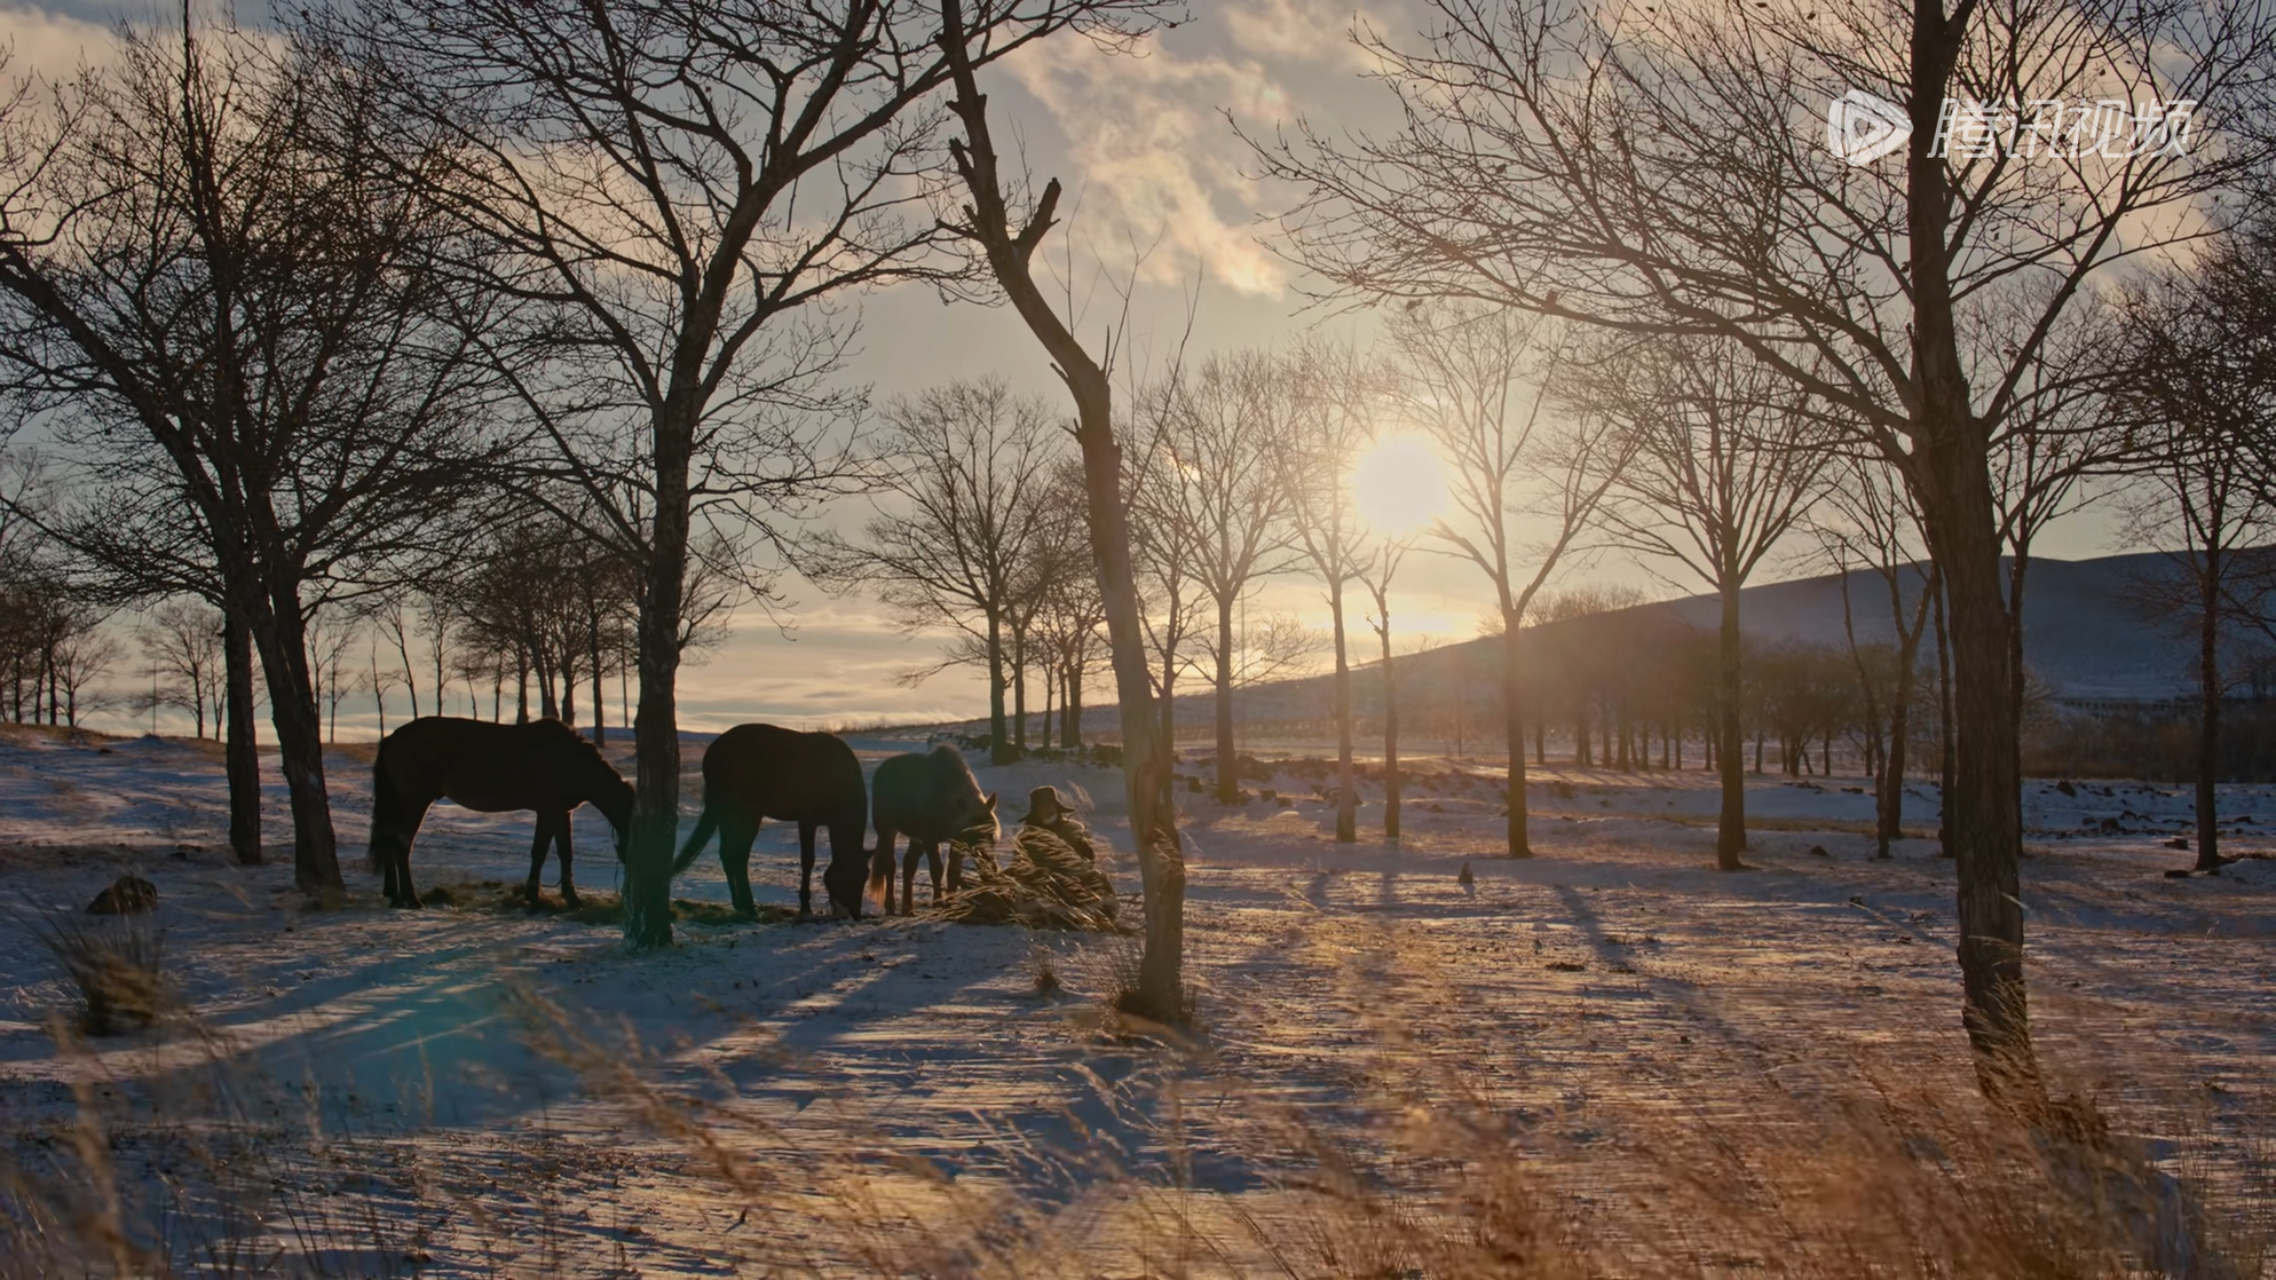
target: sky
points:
(1144, 143)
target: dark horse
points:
(931, 798)
(489, 768)
(754, 772)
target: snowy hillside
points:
(2084, 637)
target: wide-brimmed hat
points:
(1044, 807)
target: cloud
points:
(1155, 155)
(1317, 31)
(54, 45)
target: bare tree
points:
(227, 314)
(1725, 459)
(1214, 432)
(1478, 382)
(182, 641)
(1645, 172)
(2200, 391)
(2060, 436)
(987, 221)
(395, 620)
(967, 466)
(331, 633)
(1333, 424)
(1068, 625)
(1377, 571)
(378, 681)
(1164, 555)
(83, 653)
(1869, 520)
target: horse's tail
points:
(698, 838)
(386, 811)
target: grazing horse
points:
(930, 798)
(754, 772)
(489, 768)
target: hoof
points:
(571, 902)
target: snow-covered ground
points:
(1617, 968)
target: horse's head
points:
(976, 823)
(846, 881)
(615, 803)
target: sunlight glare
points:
(1398, 485)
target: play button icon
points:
(1861, 127)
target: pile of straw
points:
(1047, 885)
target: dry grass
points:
(1044, 972)
(1412, 1174)
(117, 964)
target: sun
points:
(1397, 485)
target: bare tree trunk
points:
(1731, 826)
(1145, 754)
(242, 754)
(410, 672)
(999, 729)
(1228, 764)
(1019, 691)
(1347, 798)
(2209, 712)
(1513, 726)
(568, 673)
(1947, 752)
(655, 725)
(1889, 800)
(547, 707)
(1950, 472)
(1050, 691)
(1390, 732)
(283, 647)
(1071, 729)
(600, 720)
(2018, 564)
(1984, 805)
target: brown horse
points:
(489, 768)
(754, 772)
(931, 798)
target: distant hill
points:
(2083, 637)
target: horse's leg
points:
(955, 866)
(398, 879)
(909, 876)
(735, 841)
(568, 881)
(806, 868)
(932, 858)
(537, 847)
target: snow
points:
(1615, 967)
